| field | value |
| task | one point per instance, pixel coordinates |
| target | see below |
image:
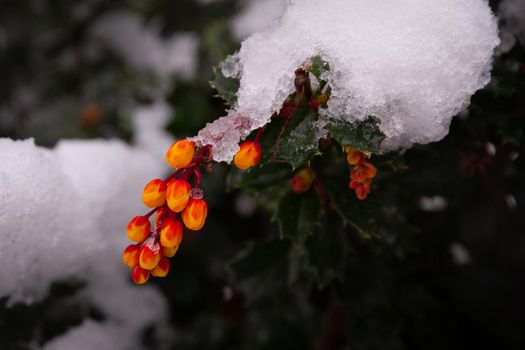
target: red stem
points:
(258, 135)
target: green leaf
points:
(259, 177)
(359, 214)
(298, 139)
(301, 144)
(226, 87)
(319, 66)
(326, 251)
(364, 135)
(258, 257)
(298, 216)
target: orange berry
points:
(149, 258)
(248, 155)
(154, 194)
(139, 275)
(130, 255)
(170, 233)
(178, 194)
(162, 269)
(170, 252)
(180, 154)
(353, 184)
(194, 215)
(302, 181)
(138, 228)
(369, 170)
(354, 157)
(358, 174)
(362, 191)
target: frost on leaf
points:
(412, 64)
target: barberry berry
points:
(170, 233)
(194, 215)
(248, 155)
(180, 154)
(178, 194)
(170, 252)
(139, 275)
(149, 256)
(162, 269)
(302, 181)
(138, 229)
(154, 194)
(130, 255)
(362, 174)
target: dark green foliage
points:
(364, 135)
(226, 87)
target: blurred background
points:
(449, 275)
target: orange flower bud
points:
(170, 252)
(194, 215)
(362, 190)
(354, 157)
(248, 155)
(130, 255)
(139, 275)
(353, 184)
(358, 174)
(162, 269)
(369, 170)
(171, 233)
(154, 194)
(138, 228)
(149, 258)
(302, 181)
(178, 194)
(180, 154)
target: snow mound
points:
(63, 214)
(414, 64)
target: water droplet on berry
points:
(196, 193)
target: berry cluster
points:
(168, 198)
(362, 174)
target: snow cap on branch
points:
(413, 64)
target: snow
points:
(63, 214)
(413, 64)
(512, 18)
(143, 48)
(256, 16)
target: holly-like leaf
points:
(326, 251)
(259, 177)
(293, 141)
(226, 87)
(258, 257)
(298, 216)
(359, 214)
(363, 135)
(301, 144)
(319, 66)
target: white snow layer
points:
(63, 214)
(414, 64)
(256, 16)
(143, 48)
(512, 17)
